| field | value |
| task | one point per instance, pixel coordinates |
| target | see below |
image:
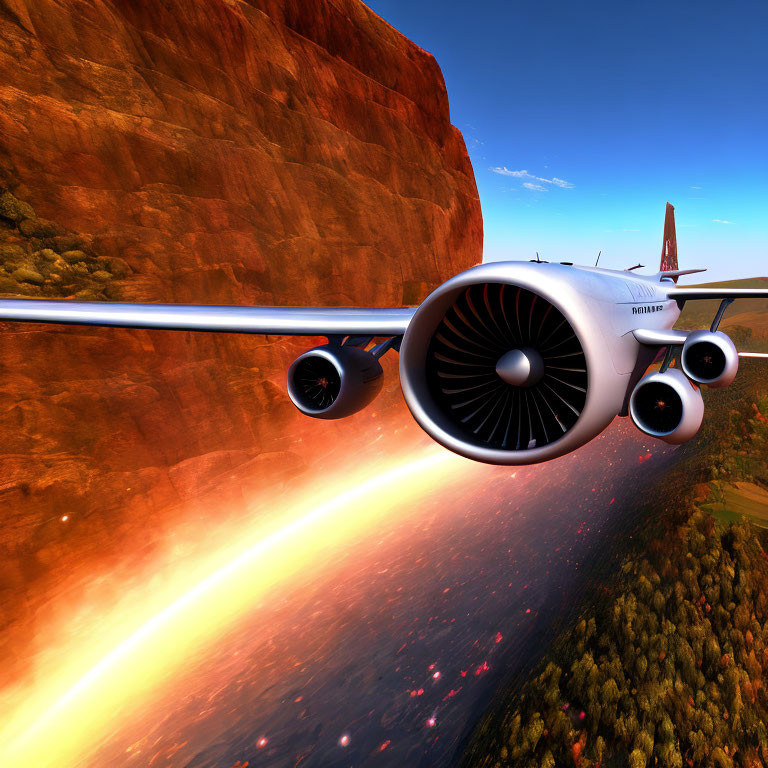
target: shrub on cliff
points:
(13, 209)
(38, 258)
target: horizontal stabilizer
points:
(667, 273)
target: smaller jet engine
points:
(666, 405)
(331, 382)
(710, 358)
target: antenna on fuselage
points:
(598, 258)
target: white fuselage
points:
(625, 302)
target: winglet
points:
(669, 244)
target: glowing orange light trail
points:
(67, 713)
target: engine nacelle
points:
(666, 405)
(331, 382)
(710, 358)
(507, 365)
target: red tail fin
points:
(669, 246)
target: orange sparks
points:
(77, 692)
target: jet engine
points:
(710, 358)
(331, 382)
(666, 405)
(503, 367)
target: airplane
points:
(508, 362)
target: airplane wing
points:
(687, 294)
(289, 321)
(660, 337)
(667, 337)
(653, 337)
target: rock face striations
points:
(205, 151)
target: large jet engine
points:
(710, 358)
(503, 367)
(666, 405)
(334, 381)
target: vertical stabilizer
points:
(669, 246)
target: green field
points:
(740, 502)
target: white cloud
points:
(536, 180)
(506, 172)
(694, 187)
(722, 221)
(535, 187)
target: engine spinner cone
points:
(521, 367)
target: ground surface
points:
(402, 644)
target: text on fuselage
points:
(647, 308)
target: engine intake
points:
(331, 382)
(666, 405)
(710, 358)
(508, 367)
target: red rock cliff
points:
(212, 151)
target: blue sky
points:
(612, 109)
